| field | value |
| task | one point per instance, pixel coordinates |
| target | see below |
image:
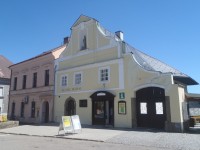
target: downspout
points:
(54, 91)
(9, 95)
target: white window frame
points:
(61, 81)
(76, 73)
(103, 68)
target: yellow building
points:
(107, 82)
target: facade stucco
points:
(105, 49)
(42, 94)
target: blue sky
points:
(168, 30)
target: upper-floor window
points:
(34, 79)
(64, 80)
(33, 109)
(83, 39)
(46, 78)
(104, 74)
(15, 84)
(1, 91)
(77, 78)
(24, 82)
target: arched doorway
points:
(151, 107)
(70, 107)
(45, 112)
(102, 108)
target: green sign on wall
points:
(121, 95)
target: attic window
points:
(83, 39)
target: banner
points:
(70, 124)
(67, 124)
(76, 122)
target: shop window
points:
(83, 103)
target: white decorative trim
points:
(89, 91)
(106, 63)
(148, 85)
(119, 50)
(80, 24)
(86, 52)
(55, 82)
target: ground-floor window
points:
(33, 109)
(22, 109)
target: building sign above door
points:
(101, 94)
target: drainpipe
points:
(54, 91)
(8, 115)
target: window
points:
(83, 39)
(1, 91)
(13, 110)
(24, 82)
(33, 109)
(77, 78)
(34, 79)
(104, 74)
(64, 81)
(83, 103)
(22, 109)
(46, 78)
(15, 84)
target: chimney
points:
(66, 40)
(120, 35)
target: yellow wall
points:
(126, 76)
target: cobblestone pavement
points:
(176, 141)
(134, 137)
